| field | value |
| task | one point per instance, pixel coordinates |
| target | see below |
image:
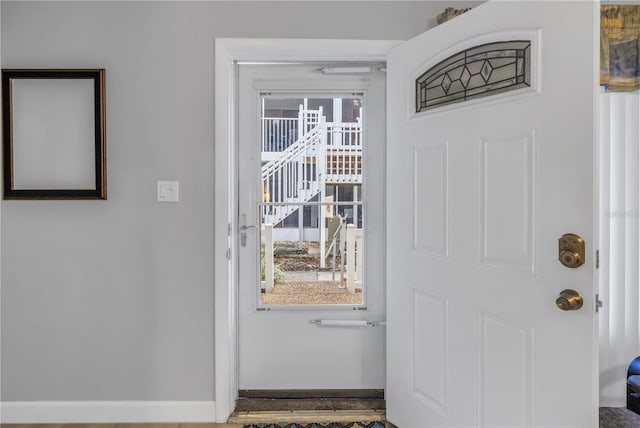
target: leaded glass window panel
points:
(477, 72)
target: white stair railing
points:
(293, 176)
(300, 148)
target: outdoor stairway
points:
(300, 156)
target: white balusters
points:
(278, 133)
(344, 153)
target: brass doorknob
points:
(569, 300)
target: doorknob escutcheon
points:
(569, 300)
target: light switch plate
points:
(168, 191)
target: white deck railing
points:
(278, 133)
(345, 133)
(344, 152)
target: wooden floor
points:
(199, 425)
(307, 416)
(202, 425)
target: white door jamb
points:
(227, 53)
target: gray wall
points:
(113, 300)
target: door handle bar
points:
(243, 230)
(347, 323)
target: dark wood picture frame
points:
(95, 147)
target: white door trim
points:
(227, 52)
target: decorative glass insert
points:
(478, 72)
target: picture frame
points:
(54, 134)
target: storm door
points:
(310, 216)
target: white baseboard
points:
(613, 402)
(106, 411)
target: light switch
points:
(168, 191)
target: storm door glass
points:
(311, 215)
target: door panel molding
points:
(511, 157)
(430, 343)
(513, 406)
(431, 193)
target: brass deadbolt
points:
(571, 250)
(569, 300)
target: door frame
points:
(228, 51)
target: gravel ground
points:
(310, 293)
(289, 258)
(297, 262)
(296, 291)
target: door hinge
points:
(228, 253)
(597, 259)
(599, 303)
(228, 229)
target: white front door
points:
(280, 344)
(479, 193)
